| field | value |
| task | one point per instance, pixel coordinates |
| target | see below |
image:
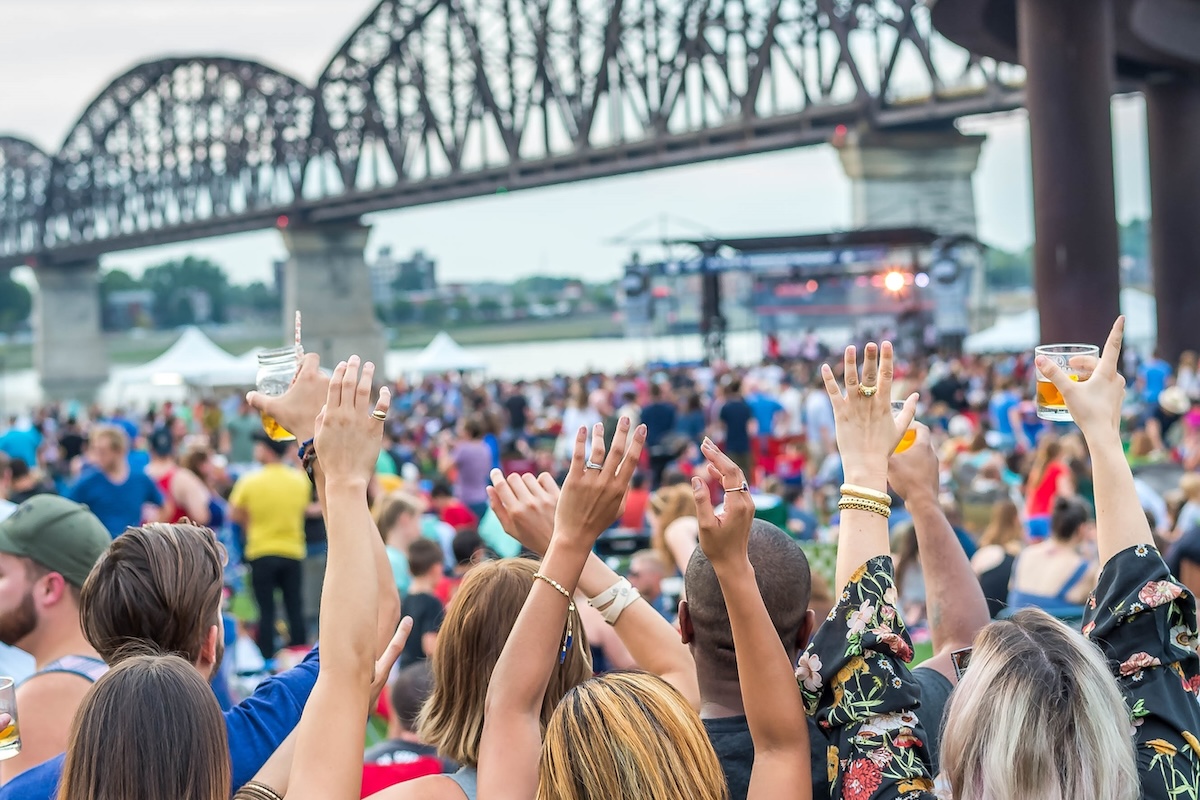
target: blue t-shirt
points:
(765, 409)
(1154, 374)
(118, 506)
(256, 727)
(22, 443)
(659, 419)
(999, 408)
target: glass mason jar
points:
(276, 368)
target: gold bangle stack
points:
(863, 493)
(848, 503)
(862, 498)
(569, 633)
(257, 791)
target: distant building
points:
(391, 278)
(132, 308)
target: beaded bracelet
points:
(858, 504)
(569, 634)
(863, 493)
(257, 791)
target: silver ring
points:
(589, 464)
(379, 414)
(745, 487)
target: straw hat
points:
(1175, 401)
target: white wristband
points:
(615, 599)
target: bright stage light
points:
(893, 281)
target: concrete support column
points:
(68, 346)
(921, 180)
(918, 179)
(1173, 132)
(327, 279)
(1066, 47)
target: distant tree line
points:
(186, 291)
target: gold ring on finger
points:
(867, 391)
(379, 414)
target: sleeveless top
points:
(86, 667)
(994, 583)
(164, 486)
(1056, 605)
(467, 780)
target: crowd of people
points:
(1057, 649)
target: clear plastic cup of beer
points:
(1050, 403)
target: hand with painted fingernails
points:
(1095, 404)
(349, 430)
(525, 507)
(724, 537)
(594, 492)
(867, 433)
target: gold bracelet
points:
(859, 504)
(254, 790)
(569, 633)
(863, 493)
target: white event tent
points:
(1018, 333)
(444, 354)
(194, 360)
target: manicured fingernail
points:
(696, 484)
(624, 423)
(641, 431)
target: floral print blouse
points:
(856, 685)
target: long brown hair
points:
(477, 624)
(150, 727)
(668, 504)
(1004, 528)
(661, 752)
(1048, 450)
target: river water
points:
(19, 390)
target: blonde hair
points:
(1189, 485)
(660, 753)
(669, 504)
(113, 435)
(478, 622)
(391, 507)
(1038, 716)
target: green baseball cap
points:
(62, 536)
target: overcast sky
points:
(55, 55)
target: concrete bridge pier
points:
(68, 347)
(1173, 130)
(327, 279)
(919, 179)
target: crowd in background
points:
(1017, 494)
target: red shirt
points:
(1041, 500)
(458, 516)
(377, 777)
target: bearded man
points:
(47, 548)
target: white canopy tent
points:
(1019, 333)
(444, 354)
(194, 360)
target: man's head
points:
(441, 495)
(785, 582)
(646, 571)
(424, 558)
(160, 584)
(410, 690)
(267, 450)
(107, 447)
(47, 548)
(161, 442)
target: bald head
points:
(784, 581)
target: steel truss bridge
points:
(433, 100)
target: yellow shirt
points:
(274, 499)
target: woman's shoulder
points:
(430, 787)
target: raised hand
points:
(914, 473)
(525, 507)
(385, 662)
(594, 491)
(1095, 404)
(724, 537)
(349, 429)
(297, 408)
(866, 432)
